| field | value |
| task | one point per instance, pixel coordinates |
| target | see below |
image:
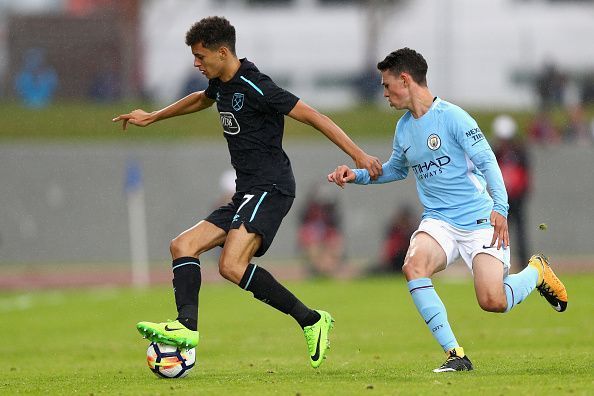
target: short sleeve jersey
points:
(252, 109)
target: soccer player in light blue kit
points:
(465, 204)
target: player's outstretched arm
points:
(342, 175)
(195, 101)
(308, 115)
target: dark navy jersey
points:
(252, 109)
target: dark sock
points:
(266, 289)
(303, 315)
(191, 324)
(186, 286)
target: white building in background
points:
(480, 52)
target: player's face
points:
(395, 90)
(209, 62)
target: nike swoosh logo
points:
(316, 355)
(488, 247)
(406, 149)
(171, 329)
(427, 321)
(558, 307)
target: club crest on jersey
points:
(433, 142)
(237, 101)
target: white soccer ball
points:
(168, 361)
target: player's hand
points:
(137, 117)
(500, 231)
(371, 163)
(342, 175)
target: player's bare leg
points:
(488, 283)
(185, 251)
(498, 292)
(240, 247)
(196, 240)
(425, 257)
(235, 266)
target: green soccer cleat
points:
(316, 336)
(170, 333)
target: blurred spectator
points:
(577, 129)
(397, 238)
(320, 237)
(194, 82)
(587, 89)
(367, 83)
(88, 7)
(514, 163)
(542, 129)
(550, 86)
(106, 85)
(36, 83)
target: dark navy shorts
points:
(260, 210)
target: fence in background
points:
(68, 203)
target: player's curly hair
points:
(406, 60)
(213, 32)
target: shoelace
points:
(546, 288)
(449, 359)
(452, 357)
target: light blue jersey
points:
(452, 163)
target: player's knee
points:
(224, 269)
(408, 271)
(492, 303)
(180, 247)
(412, 269)
(229, 269)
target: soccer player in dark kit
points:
(252, 109)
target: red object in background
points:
(88, 7)
(513, 162)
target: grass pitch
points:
(88, 122)
(85, 342)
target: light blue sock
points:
(519, 286)
(433, 312)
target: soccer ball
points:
(168, 361)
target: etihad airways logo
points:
(430, 168)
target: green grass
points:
(92, 122)
(84, 342)
(81, 121)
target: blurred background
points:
(81, 202)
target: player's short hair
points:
(406, 60)
(213, 32)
